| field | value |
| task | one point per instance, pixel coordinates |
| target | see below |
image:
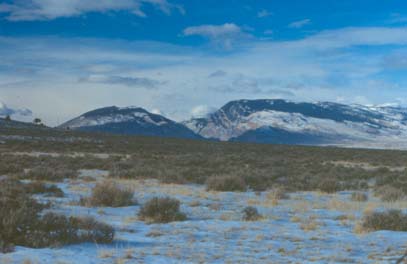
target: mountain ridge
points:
(128, 121)
(276, 121)
(333, 123)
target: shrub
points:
(18, 211)
(108, 193)
(161, 210)
(7, 167)
(20, 223)
(329, 186)
(257, 181)
(57, 230)
(50, 174)
(359, 197)
(391, 220)
(250, 213)
(39, 187)
(226, 184)
(389, 193)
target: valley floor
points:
(309, 227)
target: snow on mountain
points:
(281, 121)
(22, 114)
(264, 121)
(130, 121)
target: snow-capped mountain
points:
(22, 114)
(128, 121)
(281, 121)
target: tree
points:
(8, 118)
(37, 121)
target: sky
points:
(186, 58)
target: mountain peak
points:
(128, 120)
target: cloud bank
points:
(30, 10)
(325, 66)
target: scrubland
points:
(115, 199)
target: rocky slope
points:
(286, 122)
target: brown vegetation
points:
(22, 224)
(108, 193)
(393, 220)
(161, 210)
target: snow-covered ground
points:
(307, 228)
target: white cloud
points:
(224, 35)
(202, 111)
(300, 23)
(264, 13)
(157, 111)
(42, 73)
(214, 31)
(137, 82)
(351, 36)
(29, 10)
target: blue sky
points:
(59, 58)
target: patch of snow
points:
(214, 231)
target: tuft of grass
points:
(161, 210)
(251, 213)
(109, 193)
(103, 254)
(309, 224)
(359, 197)
(278, 194)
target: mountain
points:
(321, 123)
(4, 123)
(264, 121)
(129, 121)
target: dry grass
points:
(120, 261)
(295, 219)
(359, 197)
(389, 193)
(226, 183)
(155, 233)
(129, 253)
(277, 194)
(195, 203)
(309, 223)
(228, 216)
(104, 253)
